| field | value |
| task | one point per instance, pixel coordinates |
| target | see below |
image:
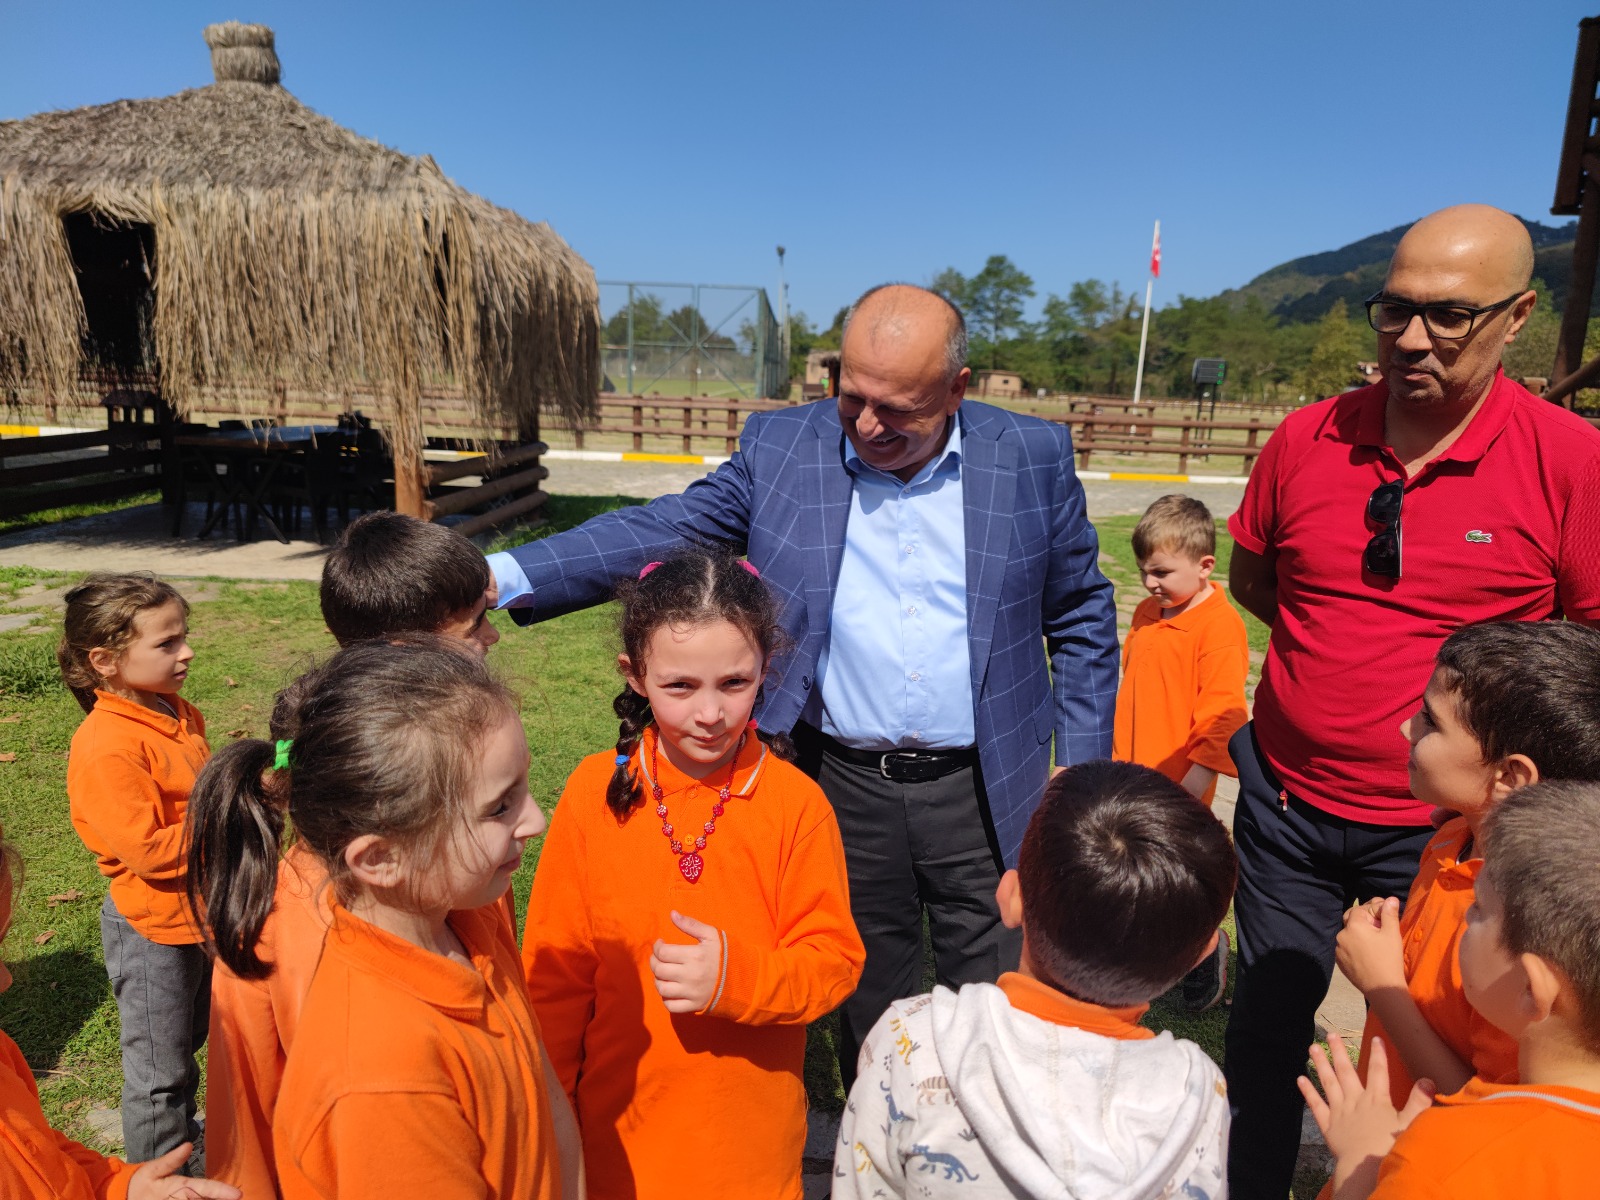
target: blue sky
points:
(887, 139)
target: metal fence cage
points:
(696, 339)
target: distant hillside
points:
(1305, 288)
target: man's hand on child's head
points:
(686, 976)
(158, 1179)
(1359, 1123)
(1369, 950)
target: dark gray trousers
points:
(910, 849)
(164, 1004)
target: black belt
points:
(902, 766)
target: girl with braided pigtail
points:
(690, 914)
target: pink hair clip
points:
(647, 568)
(750, 566)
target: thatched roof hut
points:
(228, 234)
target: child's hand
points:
(1358, 1123)
(158, 1180)
(1368, 950)
(686, 976)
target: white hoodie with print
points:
(963, 1095)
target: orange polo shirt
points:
(36, 1162)
(1430, 930)
(128, 781)
(414, 1075)
(709, 1103)
(1045, 1002)
(253, 1022)
(1490, 1142)
(1182, 693)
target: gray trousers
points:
(910, 849)
(164, 1003)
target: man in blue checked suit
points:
(937, 574)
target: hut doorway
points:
(115, 266)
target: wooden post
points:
(1580, 291)
(688, 429)
(1183, 452)
(410, 487)
(638, 424)
(732, 441)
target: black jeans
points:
(910, 847)
(1299, 869)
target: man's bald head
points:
(902, 311)
(1485, 245)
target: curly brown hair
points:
(100, 615)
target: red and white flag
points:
(1155, 254)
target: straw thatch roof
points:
(288, 249)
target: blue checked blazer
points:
(1035, 596)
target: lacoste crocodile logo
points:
(1478, 535)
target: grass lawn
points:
(250, 639)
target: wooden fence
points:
(61, 469)
(678, 420)
(704, 424)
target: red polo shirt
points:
(1503, 526)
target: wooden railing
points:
(679, 420)
(686, 423)
(79, 478)
(1138, 435)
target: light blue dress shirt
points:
(895, 670)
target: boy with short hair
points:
(1509, 704)
(390, 574)
(1045, 1084)
(1185, 662)
(1528, 965)
(387, 576)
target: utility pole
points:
(783, 315)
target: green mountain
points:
(1303, 289)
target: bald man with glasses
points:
(1376, 523)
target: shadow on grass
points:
(49, 1002)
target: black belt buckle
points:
(908, 766)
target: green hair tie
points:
(281, 762)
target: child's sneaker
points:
(1202, 987)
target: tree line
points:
(1087, 341)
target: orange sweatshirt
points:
(253, 1023)
(413, 1075)
(1490, 1142)
(1430, 931)
(36, 1162)
(709, 1103)
(1182, 693)
(128, 781)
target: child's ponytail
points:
(236, 818)
(633, 711)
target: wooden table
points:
(243, 463)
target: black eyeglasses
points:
(1447, 322)
(1383, 510)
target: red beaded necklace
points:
(690, 863)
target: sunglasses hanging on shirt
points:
(1382, 556)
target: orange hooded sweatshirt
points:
(36, 1162)
(709, 1103)
(414, 1075)
(128, 781)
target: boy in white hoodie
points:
(1045, 1084)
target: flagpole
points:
(1144, 332)
(1144, 335)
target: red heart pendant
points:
(691, 864)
